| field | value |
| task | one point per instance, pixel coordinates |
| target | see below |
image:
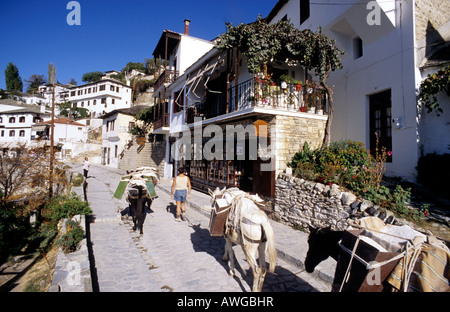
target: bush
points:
(78, 180)
(347, 163)
(399, 199)
(65, 207)
(71, 238)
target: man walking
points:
(86, 167)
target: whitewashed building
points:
(387, 44)
(16, 121)
(101, 97)
(116, 133)
(180, 50)
(61, 93)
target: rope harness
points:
(412, 249)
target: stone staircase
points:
(148, 155)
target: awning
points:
(38, 128)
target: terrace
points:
(260, 93)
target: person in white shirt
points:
(181, 191)
(86, 166)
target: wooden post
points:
(52, 79)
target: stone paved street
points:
(169, 256)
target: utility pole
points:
(52, 79)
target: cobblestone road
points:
(170, 255)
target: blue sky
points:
(34, 33)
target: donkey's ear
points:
(311, 229)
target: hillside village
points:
(374, 100)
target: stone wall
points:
(430, 13)
(301, 204)
(73, 270)
(291, 134)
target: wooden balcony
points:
(168, 76)
(161, 121)
(252, 93)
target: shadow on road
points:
(282, 280)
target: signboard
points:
(140, 140)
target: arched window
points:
(12, 119)
(12, 133)
(22, 119)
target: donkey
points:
(137, 205)
(138, 195)
(249, 227)
(323, 243)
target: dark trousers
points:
(85, 173)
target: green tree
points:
(12, 78)
(152, 65)
(73, 81)
(131, 65)
(66, 109)
(92, 76)
(34, 82)
(3, 94)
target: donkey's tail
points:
(268, 230)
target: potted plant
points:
(285, 80)
(298, 84)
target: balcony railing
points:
(258, 93)
(252, 93)
(168, 76)
(161, 121)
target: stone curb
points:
(72, 270)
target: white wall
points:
(190, 50)
(122, 98)
(17, 127)
(387, 63)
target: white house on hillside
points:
(386, 43)
(101, 97)
(69, 136)
(61, 93)
(116, 133)
(16, 121)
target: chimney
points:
(186, 27)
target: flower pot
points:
(283, 85)
(303, 109)
(312, 110)
(273, 84)
(298, 87)
(320, 111)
